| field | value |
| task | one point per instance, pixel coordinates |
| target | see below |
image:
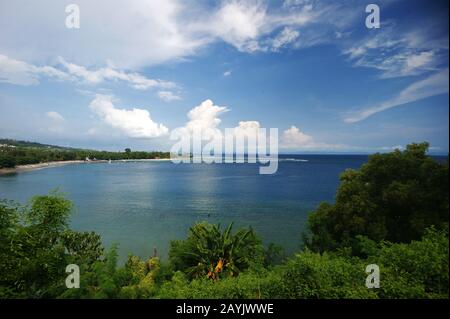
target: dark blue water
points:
(141, 205)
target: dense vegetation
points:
(14, 153)
(393, 197)
(36, 244)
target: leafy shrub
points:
(210, 253)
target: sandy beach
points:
(31, 167)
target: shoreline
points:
(32, 167)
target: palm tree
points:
(208, 252)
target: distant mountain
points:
(17, 143)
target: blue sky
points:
(133, 72)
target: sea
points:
(142, 206)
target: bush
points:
(415, 270)
(311, 275)
(35, 247)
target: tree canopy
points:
(394, 197)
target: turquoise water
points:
(142, 205)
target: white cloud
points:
(55, 116)
(55, 124)
(249, 25)
(110, 73)
(92, 131)
(227, 73)
(249, 130)
(168, 96)
(132, 35)
(435, 84)
(416, 61)
(239, 22)
(21, 73)
(135, 123)
(396, 53)
(294, 139)
(285, 37)
(248, 126)
(203, 118)
(145, 33)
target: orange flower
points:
(219, 266)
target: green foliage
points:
(415, 270)
(6, 160)
(23, 153)
(35, 247)
(311, 275)
(210, 253)
(16, 143)
(84, 247)
(143, 277)
(393, 197)
(49, 213)
(249, 284)
(103, 279)
(273, 255)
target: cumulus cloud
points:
(203, 118)
(434, 84)
(205, 115)
(135, 123)
(294, 139)
(168, 96)
(204, 121)
(248, 126)
(247, 136)
(227, 73)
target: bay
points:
(144, 205)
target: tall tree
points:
(394, 197)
